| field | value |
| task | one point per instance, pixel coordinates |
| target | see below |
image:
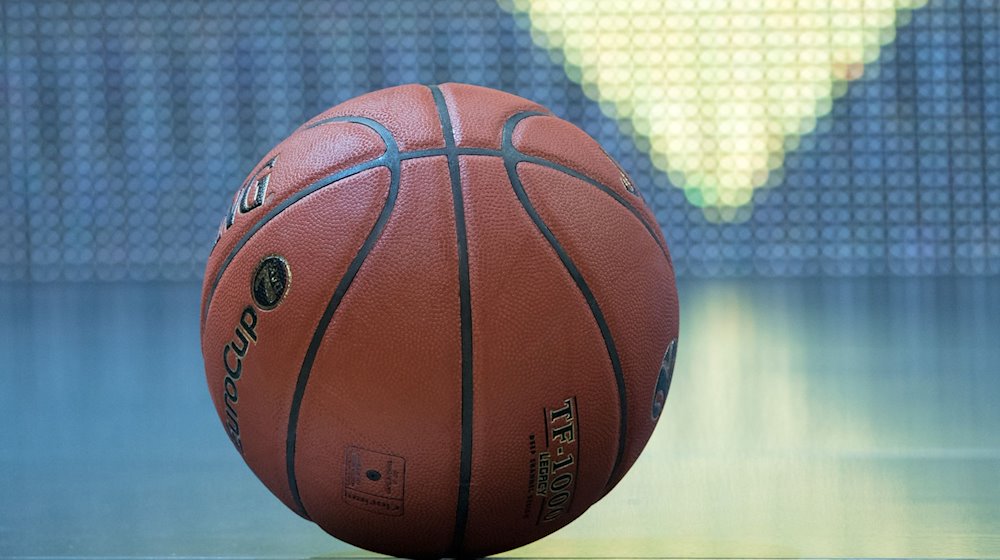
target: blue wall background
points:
(129, 125)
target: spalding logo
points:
(270, 282)
(626, 180)
(663, 381)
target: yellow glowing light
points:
(715, 90)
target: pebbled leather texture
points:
(478, 114)
(465, 336)
(388, 376)
(407, 111)
(535, 344)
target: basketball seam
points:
(511, 161)
(465, 464)
(391, 157)
(281, 207)
(331, 180)
(600, 186)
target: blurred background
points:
(826, 172)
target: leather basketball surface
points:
(439, 321)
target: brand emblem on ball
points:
(270, 282)
(663, 381)
(625, 179)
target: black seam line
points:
(511, 159)
(651, 229)
(391, 160)
(609, 191)
(465, 467)
(413, 154)
(297, 196)
(521, 156)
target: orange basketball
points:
(439, 321)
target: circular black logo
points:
(270, 282)
(663, 381)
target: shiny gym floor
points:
(807, 418)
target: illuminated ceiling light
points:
(715, 90)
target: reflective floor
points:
(818, 418)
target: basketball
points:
(439, 321)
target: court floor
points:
(815, 417)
